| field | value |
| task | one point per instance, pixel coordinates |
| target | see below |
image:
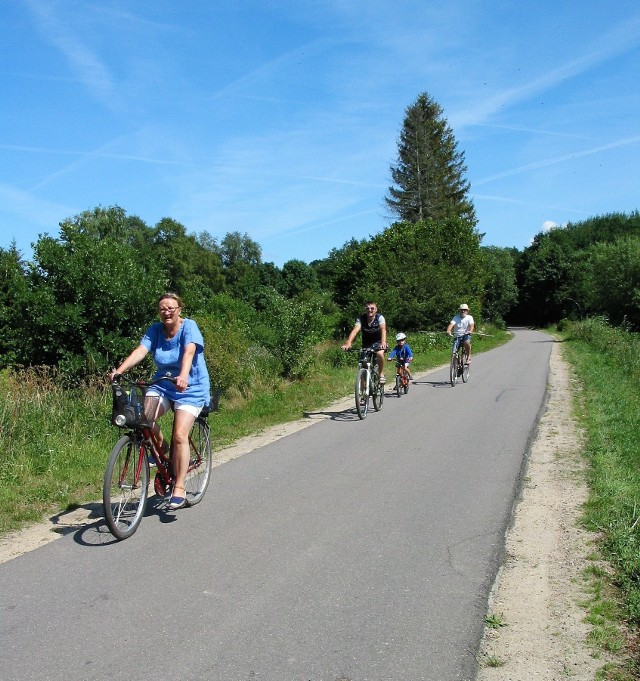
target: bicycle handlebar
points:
(117, 379)
(371, 348)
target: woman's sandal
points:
(177, 502)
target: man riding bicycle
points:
(461, 327)
(374, 330)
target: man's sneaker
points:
(383, 379)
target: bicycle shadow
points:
(433, 384)
(86, 522)
(339, 415)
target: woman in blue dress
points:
(177, 347)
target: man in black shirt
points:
(374, 330)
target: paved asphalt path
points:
(349, 551)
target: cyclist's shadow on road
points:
(433, 384)
(341, 415)
(97, 533)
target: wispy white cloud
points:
(27, 207)
(338, 180)
(273, 68)
(92, 154)
(93, 72)
(558, 159)
(619, 40)
(520, 202)
(534, 131)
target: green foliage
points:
(14, 292)
(613, 280)
(298, 327)
(581, 269)
(418, 273)
(428, 177)
(298, 278)
(500, 290)
(546, 282)
(192, 265)
(241, 258)
(330, 267)
(86, 295)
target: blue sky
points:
(280, 118)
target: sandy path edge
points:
(537, 591)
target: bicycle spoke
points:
(125, 488)
(200, 462)
(362, 393)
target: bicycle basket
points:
(130, 408)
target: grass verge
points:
(607, 365)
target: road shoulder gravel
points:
(537, 592)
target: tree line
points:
(86, 295)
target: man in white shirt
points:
(461, 327)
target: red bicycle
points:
(402, 377)
(126, 481)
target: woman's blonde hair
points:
(173, 296)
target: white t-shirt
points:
(461, 325)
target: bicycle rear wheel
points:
(378, 392)
(126, 485)
(465, 373)
(453, 370)
(362, 394)
(199, 472)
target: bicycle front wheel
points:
(377, 390)
(200, 463)
(126, 485)
(398, 385)
(362, 394)
(453, 370)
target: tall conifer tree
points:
(429, 176)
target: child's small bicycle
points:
(126, 481)
(402, 377)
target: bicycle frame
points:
(458, 367)
(402, 376)
(367, 382)
(126, 484)
(368, 358)
(164, 464)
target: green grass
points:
(492, 661)
(494, 621)
(54, 443)
(606, 363)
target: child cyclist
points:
(402, 352)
